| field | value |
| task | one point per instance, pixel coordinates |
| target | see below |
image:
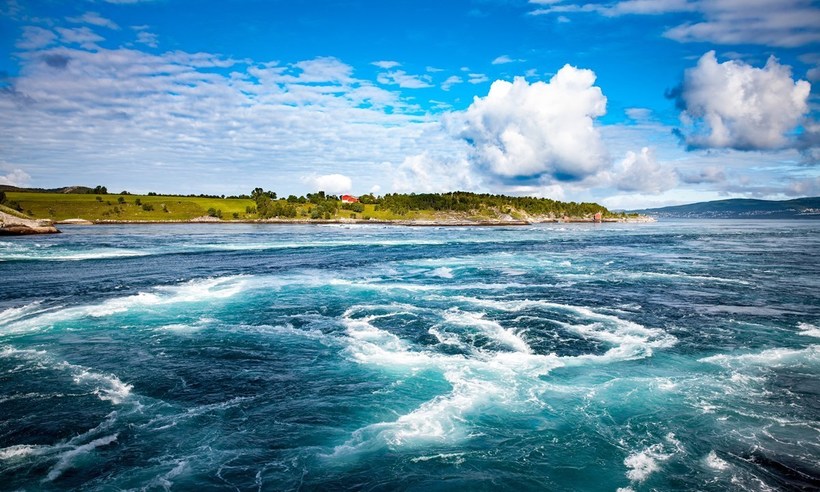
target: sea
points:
(676, 355)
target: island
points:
(85, 205)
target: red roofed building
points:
(349, 199)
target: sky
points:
(632, 103)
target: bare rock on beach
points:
(13, 226)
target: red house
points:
(349, 199)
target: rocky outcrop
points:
(13, 226)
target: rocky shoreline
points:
(17, 226)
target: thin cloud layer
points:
(642, 172)
(335, 184)
(539, 130)
(786, 23)
(734, 105)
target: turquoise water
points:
(669, 356)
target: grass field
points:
(61, 206)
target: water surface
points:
(670, 356)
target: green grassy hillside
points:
(60, 206)
(457, 206)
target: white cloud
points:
(147, 38)
(642, 172)
(638, 114)
(477, 78)
(386, 64)
(35, 38)
(168, 122)
(83, 36)
(404, 80)
(505, 59)
(735, 105)
(542, 130)
(786, 23)
(334, 184)
(94, 19)
(15, 177)
(427, 174)
(450, 82)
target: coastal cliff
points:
(11, 225)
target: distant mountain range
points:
(741, 208)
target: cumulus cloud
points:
(642, 172)
(735, 105)
(542, 131)
(14, 177)
(334, 184)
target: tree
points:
(2, 197)
(100, 190)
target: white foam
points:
(198, 290)
(643, 463)
(67, 458)
(776, 357)
(62, 255)
(106, 386)
(712, 461)
(809, 330)
(489, 328)
(486, 379)
(631, 340)
(452, 458)
(24, 450)
(442, 272)
(14, 313)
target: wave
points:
(57, 254)
(481, 379)
(67, 458)
(107, 387)
(770, 358)
(28, 318)
(809, 330)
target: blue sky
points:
(632, 103)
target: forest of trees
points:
(461, 201)
(324, 206)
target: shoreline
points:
(406, 223)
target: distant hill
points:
(741, 208)
(80, 190)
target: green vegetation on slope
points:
(262, 204)
(60, 206)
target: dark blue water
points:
(667, 356)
